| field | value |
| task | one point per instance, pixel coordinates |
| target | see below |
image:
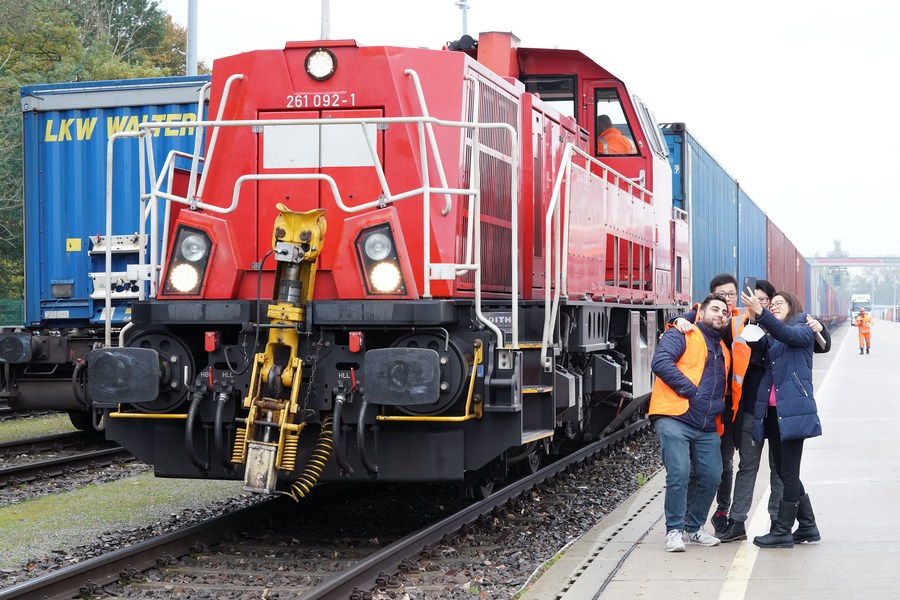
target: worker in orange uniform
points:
(864, 321)
(610, 140)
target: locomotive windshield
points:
(614, 136)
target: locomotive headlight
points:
(184, 278)
(378, 246)
(191, 254)
(320, 64)
(379, 262)
(194, 247)
(385, 278)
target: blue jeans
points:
(745, 480)
(681, 446)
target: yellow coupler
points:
(268, 443)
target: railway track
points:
(182, 558)
(21, 461)
(9, 414)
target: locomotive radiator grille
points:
(495, 156)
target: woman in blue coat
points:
(785, 411)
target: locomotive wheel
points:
(82, 420)
(483, 488)
(530, 465)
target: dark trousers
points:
(787, 455)
(723, 495)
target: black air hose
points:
(196, 397)
(219, 432)
(361, 441)
(339, 450)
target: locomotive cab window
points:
(556, 90)
(614, 135)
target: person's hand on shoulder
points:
(682, 325)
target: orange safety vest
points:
(666, 401)
(864, 322)
(740, 357)
(740, 361)
(611, 141)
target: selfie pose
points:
(785, 411)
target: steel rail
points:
(67, 582)
(363, 575)
(93, 573)
(54, 467)
(44, 442)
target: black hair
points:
(603, 123)
(712, 297)
(722, 279)
(765, 287)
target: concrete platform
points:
(851, 472)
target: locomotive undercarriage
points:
(497, 410)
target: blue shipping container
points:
(66, 130)
(710, 197)
(752, 256)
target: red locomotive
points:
(400, 263)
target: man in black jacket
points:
(688, 398)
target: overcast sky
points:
(797, 99)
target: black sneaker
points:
(733, 531)
(719, 521)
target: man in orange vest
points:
(610, 140)
(685, 407)
(725, 285)
(864, 322)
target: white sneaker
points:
(674, 540)
(700, 537)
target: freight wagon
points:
(731, 234)
(67, 131)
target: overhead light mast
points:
(326, 20)
(191, 54)
(464, 6)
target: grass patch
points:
(20, 429)
(33, 528)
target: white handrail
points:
(476, 113)
(420, 94)
(215, 133)
(559, 247)
(166, 173)
(109, 206)
(422, 122)
(198, 135)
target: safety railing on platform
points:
(425, 125)
(556, 230)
